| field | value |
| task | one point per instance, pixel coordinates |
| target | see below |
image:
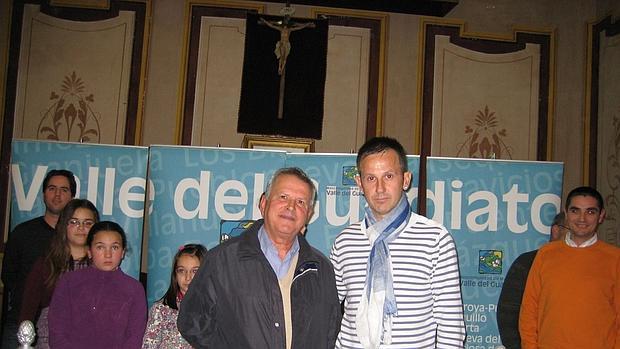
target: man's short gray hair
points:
(293, 171)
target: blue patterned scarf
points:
(378, 302)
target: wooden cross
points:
(283, 47)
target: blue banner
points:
(206, 195)
(495, 210)
(200, 195)
(112, 177)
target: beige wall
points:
(401, 83)
(164, 72)
(401, 96)
(569, 20)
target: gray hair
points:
(293, 171)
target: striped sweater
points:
(426, 285)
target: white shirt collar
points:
(569, 241)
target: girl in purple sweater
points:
(100, 306)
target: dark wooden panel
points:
(435, 8)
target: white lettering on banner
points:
(475, 307)
(93, 174)
(350, 217)
(537, 205)
(26, 202)
(259, 183)
(125, 195)
(477, 316)
(202, 189)
(232, 194)
(512, 198)
(108, 187)
(222, 199)
(151, 195)
(456, 208)
(437, 197)
(203, 196)
(490, 211)
(317, 205)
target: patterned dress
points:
(161, 329)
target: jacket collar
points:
(249, 246)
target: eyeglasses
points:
(86, 223)
(185, 272)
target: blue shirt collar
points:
(279, 266)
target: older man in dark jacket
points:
(268, 288)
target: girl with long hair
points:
(67, 252)
(161, 331)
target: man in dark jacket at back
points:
(268, 288)
(509, 302)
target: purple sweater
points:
(91, 308)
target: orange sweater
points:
(572, 298)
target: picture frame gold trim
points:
(292, 145)
(91, 4)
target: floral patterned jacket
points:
(161, 329)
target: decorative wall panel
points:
(494, 95)
(602, 138)
(76, 72)
(73, 78)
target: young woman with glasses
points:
(67, 252)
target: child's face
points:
(187, 266)
(106, 250)
(78, 226)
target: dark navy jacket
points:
(234, 301)
(509, 303)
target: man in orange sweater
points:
(572, 296)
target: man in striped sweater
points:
(396, 271)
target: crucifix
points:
(283, 47)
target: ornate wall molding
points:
(602, 121)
